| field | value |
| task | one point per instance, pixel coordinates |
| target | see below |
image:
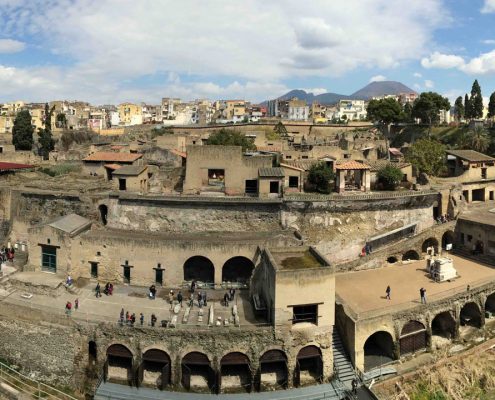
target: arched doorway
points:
(92, 353)
(273, 370)
(103, 209)
(118, 366)
(199, 268)
(237, 270)
(309, 366)
(410, 255)
(443, 325)
(378, 350)
(430, 242)
(412, 337)
(392, 260)
(471, 315)
(197, 374)
(490, 305)
(235, 373)
(154, 370)
(447, 239)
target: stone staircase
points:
(341, 361)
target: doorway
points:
(274, 187)
(159, 275)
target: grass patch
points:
(60, 169)
(306, 260)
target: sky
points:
(111, 51)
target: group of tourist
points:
(366, 250)
(108, 289)
(68, 307)
(126, 318)
(442, 219)
(7, 254)
(229, 296)
(422, 294)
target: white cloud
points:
(417, 75)
(110, 44)
(378, 78)
(11, 46)
(488, 41)
(429, 84)
(443, 61)
(316, 91)
(488, 7)
(484, 64)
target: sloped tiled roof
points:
(352, 164)
(271, 172)
(110, 156)
(470, 155)
(130, 170)
(377, 165)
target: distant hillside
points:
(371, 90)
(381, 88)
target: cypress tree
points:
(467, 107)
(476, 100)
(45, 139)
(491, 106)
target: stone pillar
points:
(327, 358)
(218, 275)
(291, 368)
(457, 318)
(428, 332)
(176, 376)
(481, 303)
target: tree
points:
(467, 107)
(45, 139)
(22, 131)
(427, 156)
(230, 137)
(428, 106)
(384, 111)
(476, 101)
(280, 129)
(459, 108)
(479, 139)
(491, 106)
(406, 115)
(390, 177)
(320, 175)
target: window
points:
(304, 157)
(483, 173)
(274, 187)
(293, 181)
(94, 269)
(251, 186)
(122, 184)
(305, 313)
(49, 258)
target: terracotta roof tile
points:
(352, 165)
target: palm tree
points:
(479, 139)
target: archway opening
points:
(392, 260)
(197, 374)
(309, 366)
(412, 338)
(490, 305)
(443, 325)
(430, 243)
(410, 255)
(200, 269)
(92, 353)
(378, 350)
(155, 369)
(237, 270)
(471, 315)
(448, 239)
(118, 367)
(103, 209)
(235, 373)
(274, 373)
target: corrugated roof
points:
(110, 156)
(352, 164)
(470, 155)
(8, 166)
(271, 172)
(131, 170)
(376, 165)
(71, 224)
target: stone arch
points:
(235, 373)
(92, 353)
(471, 315)
(197, 373)
(392, 259)
(237, 269)
(410, 255)
(430, 242)
(490, 304)
(378, 350)
(448, 238)
(155, 369)
(103, 210)
(119, 364)
(309, 366)
(444, 325)
(199, 268)
(274, 371)
(413, 337)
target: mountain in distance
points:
(373, 89)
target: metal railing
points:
(34, 388)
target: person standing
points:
(122, 317)
(179, 298)
(422, 294)
(68, 308)
(98, 290)
(387, 292)
(354, 384)
(141, 319)
(76, 304)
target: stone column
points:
(176, 373)
(457, 317)
(481, 303)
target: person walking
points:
(141, 319)
(191, 301)
(179, 298)
(422, 294)
(98, 290)
(387, 292)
